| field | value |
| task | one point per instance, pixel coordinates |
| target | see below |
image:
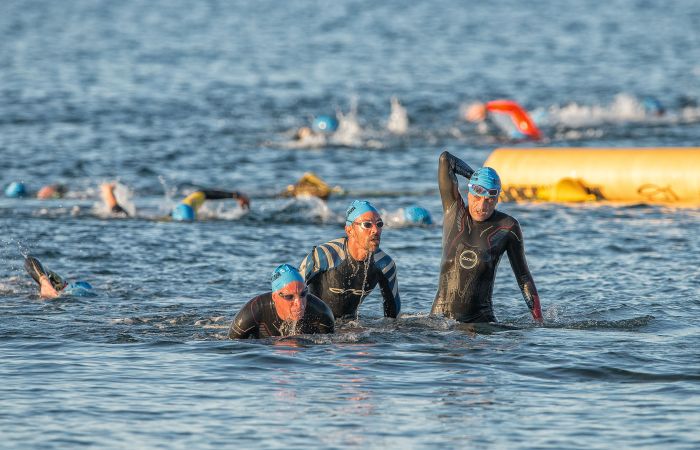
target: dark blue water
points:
(166, 96)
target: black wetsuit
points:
(471, 251)
(343, 283)
(258, 319)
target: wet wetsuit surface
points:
(471, 253)
(343, 283)
(258, 319)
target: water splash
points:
(398, 119)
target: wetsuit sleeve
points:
(308, 267)
(449, 167)
(389, 286)
(212, 194)
(245, 324)
(516, 255)
(326, 322)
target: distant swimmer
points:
(325, 124)
(16, 189)
(506, 116)
(187, 209)
(474, 238)
(417, 215)
(110, 200)
(311, 184)
(288, 310)
(51, 285)
(52, 191)
(344, 271)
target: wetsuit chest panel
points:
(345, 285)
(471, 253)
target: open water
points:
(168, 95)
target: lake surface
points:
(165, 96)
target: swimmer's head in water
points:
(356, 209)
(183, 213)
(15, 189)
(653, 106)
(52, 191)
(485, 182)
(418, 215)
(325, 124)
(289, 292)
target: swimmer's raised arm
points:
(110, 200)
(449, 167)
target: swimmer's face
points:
(481, 208)
(290, 301)
(366, 231)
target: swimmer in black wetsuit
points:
(344, 271)
(474, 237)
(289, 309)
(187, 209)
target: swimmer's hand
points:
(117, 209)
(47, 289)
(243, 200)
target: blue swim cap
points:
(183, 212)
(653, 106)
(15, 189)
(81, 284)
(488, 179)
(325, 124)
(418, 215)
(283, 275)
(356, 209)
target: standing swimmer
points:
(344, 271)
(289, 309)
(474, 237)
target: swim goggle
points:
(481, 191)
(290, 297)
(368, 225)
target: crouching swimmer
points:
(288, 310)
(51, 284)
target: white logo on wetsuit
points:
(468, 259)
(352, 291)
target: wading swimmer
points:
(344, 271)
(505, 116)
(288, 310)
(474, 237)
(187, 209)
(51, 284)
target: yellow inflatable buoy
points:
(668, 175)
